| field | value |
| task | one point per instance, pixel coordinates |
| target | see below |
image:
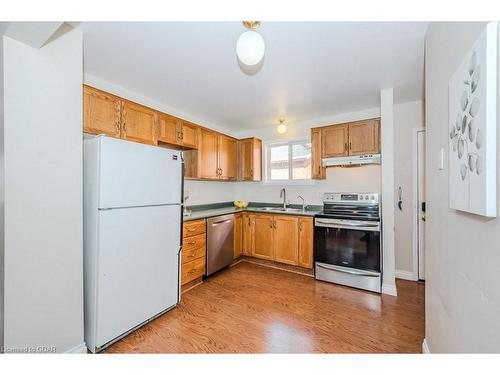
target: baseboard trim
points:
(79, 349)
(389, 289)
(425, 347)
(405, 275)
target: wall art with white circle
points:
(472, 128)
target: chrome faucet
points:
(283, 195)
(303, 202)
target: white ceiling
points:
(310, 69)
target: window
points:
(288, 161)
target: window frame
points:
(267, 157)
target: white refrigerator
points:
(132, 236)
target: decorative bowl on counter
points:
(241, 204)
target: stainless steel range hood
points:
(351, 160)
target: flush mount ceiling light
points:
(282, 126)
(250, 46)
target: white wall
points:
(43, 193)
(407, 116)
(462, 304)
(363, 179)
(204, 192)
(387, 199)
(2, 202)
(358, 179)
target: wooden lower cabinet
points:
(286, 239)
(263, 237)
(238, 236)
(193, 250)
(306, 234)
(192, 270)
(247, 233)
(282, 238)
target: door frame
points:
(415, 210)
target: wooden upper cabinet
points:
(169, 129)
(318, 172)
(263, 237)
(101, 112)
(227, 157)
(250, 159)
(207, 155)
(334, 141)
(189, 134)
(306, 231)
(286, 241)
(364, 137)
(139, 123)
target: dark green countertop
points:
(225, 208)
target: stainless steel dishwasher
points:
(220, 242)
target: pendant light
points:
(250, 46)
(282, 126)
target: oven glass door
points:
(347, 247)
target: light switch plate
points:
(441, 159)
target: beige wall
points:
(462, 306)
(407, 117)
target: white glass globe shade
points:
(250, 48)
(282, 128)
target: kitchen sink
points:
(280, 209)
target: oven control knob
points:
(372, 197)
(361, 197)
(366, 197)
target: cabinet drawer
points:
(193, 247)
(193, 228)
(192, 270)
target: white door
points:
(421, 203)
(133, 174)
(138, 267)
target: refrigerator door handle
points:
(179, 260)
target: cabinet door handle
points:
(350, 146)
(345, 146)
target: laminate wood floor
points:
(250, 308)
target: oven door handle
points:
(357, 273)
(355, 226)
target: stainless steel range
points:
(347, 240)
